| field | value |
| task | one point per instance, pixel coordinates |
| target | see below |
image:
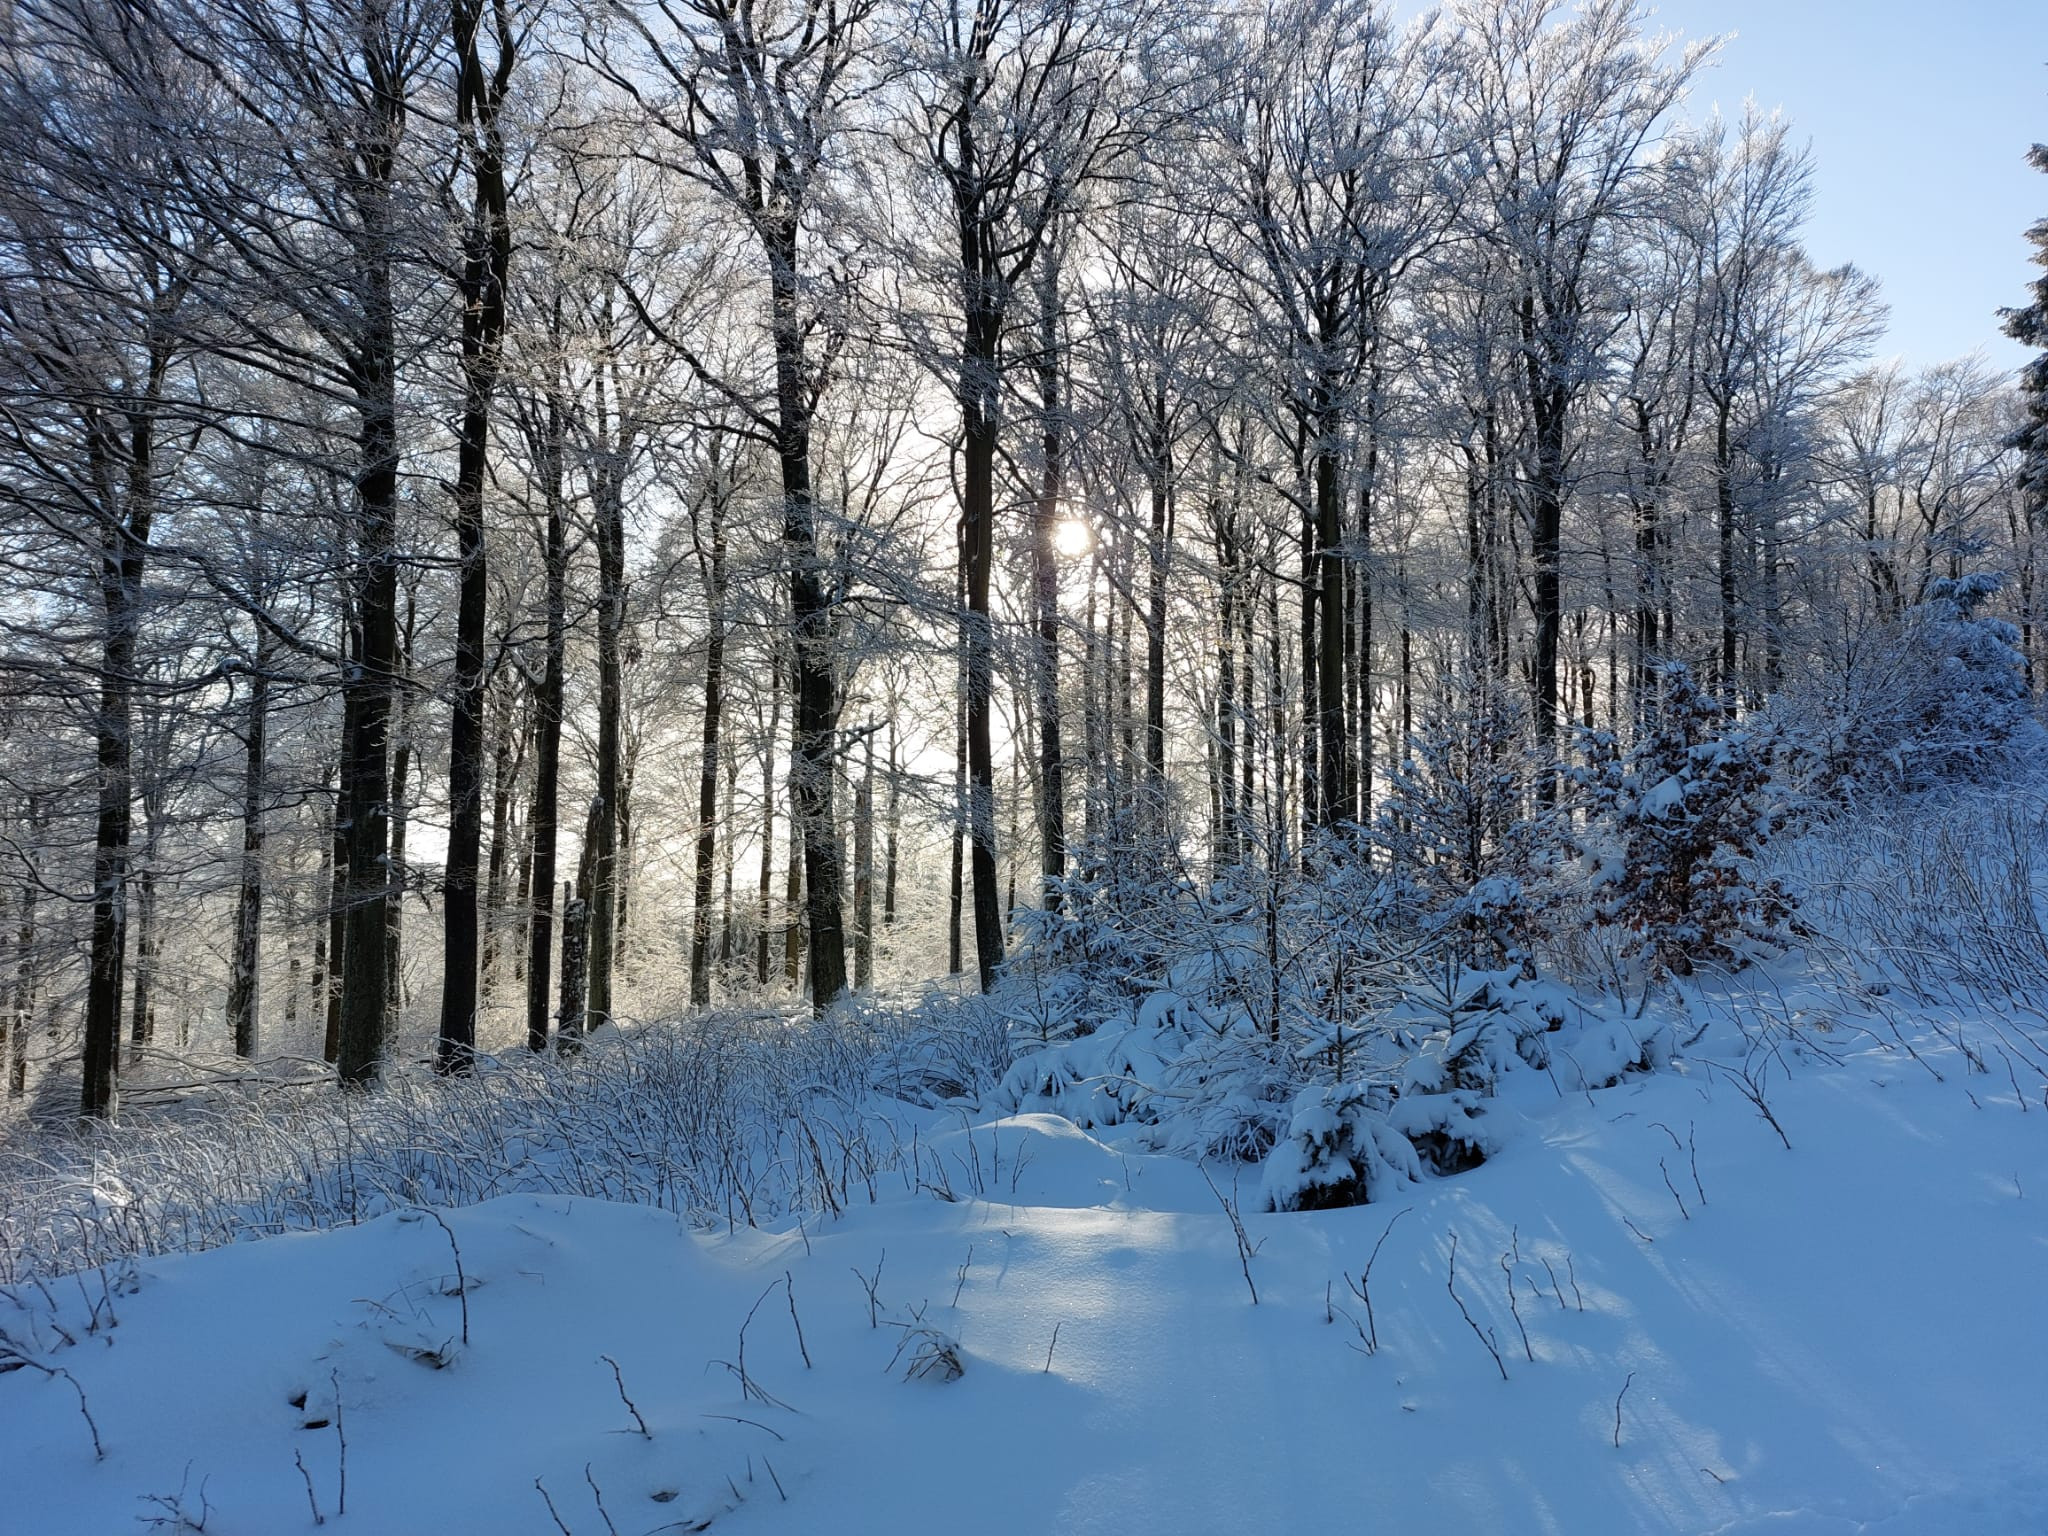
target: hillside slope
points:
(1846, 1336)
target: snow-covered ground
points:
(1847, 1336)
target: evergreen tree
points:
(1674, 822)
(2029, 327)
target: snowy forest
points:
(664, 643)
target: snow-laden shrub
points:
(1340, 1149)
(1200, 1085)
(1474, 1026)
(1072, 969)
(726, 1116)
(1936, 696)
(1103, 1078)
(1469, 847)
(1674, 822)
(1255, 986)
(1356, 1143)
(1603, 1050)
(1944, 895)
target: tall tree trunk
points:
(371, 680)
(522, 903)
(725, 910)
(707, 772)
(486, 264)
(810, 611)
(1223, 852)
(129, 513)
(894, 832)
(1724, 528)
(547, 778)
(956, 958)
(148, 942)
(246, 969)
(1362, 584)
(1045, 584)
(1333, 794)
(1546, 539)
(294, 968)
(569, 1016)
(331, 935)
(793, 893)
(628, 837)
(600, 893)
(25, 990)
(1094, 739)
(977, 393)
(1158, 552)
(864, 869)
(508, 761)
(761, 958)
(401, 814)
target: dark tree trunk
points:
(501, 867)
(864, 869)
(1546, 535)
(707, 773)
(1724, 565)
(793, 893)
(365, 876)
(246, 969)
(767, 912)
(1045, 583)
(628, 833)
(1361, 585)
(726, 938)
(547, 778)
(810, 612)
(569, 1016)
(977, 399)
(572, 1019)
(1333, 795)
(401, 817)
(486, 264)
(122, 557)
(600, 892)
(142, 1004)
(331, 935)
(522, 904)
(895, 825)
(23, 1003)
(1158, 552)
(1223, 841)
(956, 957)
(1094, 736)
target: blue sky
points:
(1919, 114)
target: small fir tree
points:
(1674, 822)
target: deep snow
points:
(1845, 1337)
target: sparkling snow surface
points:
(1851, 1336)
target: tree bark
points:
(547, 778)
(371, 677)
(1045, 584)
(246, 970)
(128, 513)
(812, 681)
(486, 266)
(707, 772)
(864, 869)
(600, 893)
(767, 913)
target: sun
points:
(1074, 538)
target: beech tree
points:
(1133, 457)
